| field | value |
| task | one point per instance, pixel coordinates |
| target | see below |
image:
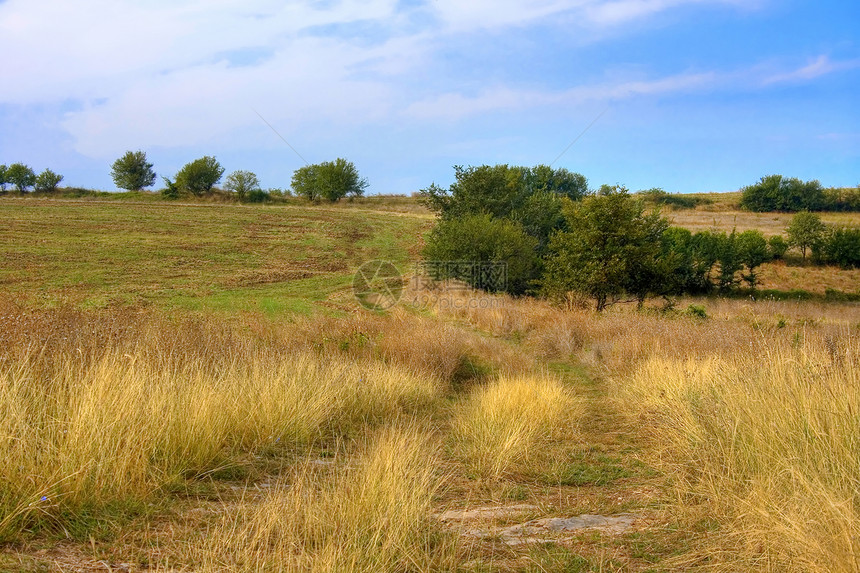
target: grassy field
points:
(194, 388)
(201, 257)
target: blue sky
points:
(689, 95)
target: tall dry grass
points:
(121, 426)
(509, 426)
(754, 414)
(770, 441)
(371, 516)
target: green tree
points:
(762, 196)
(797, 195)
(753, 250)
(694, 258)
(501, 190)
(543, 178)
(132, 171)
(4, 178)
(540, 215)
(529, 196)
(476, 239)
(242, 183)
(842, 246)
(21, 176)
(331, 180)
(199, 176)
(47, 180)
(805, 232)
(729, 260)
(304, 183)
(611, 247)
(496, 190)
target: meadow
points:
(195, 388)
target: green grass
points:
(268, 259)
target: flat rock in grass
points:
(612, 523)
(485, 512)
(547, 530)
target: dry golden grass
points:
(770, 442)
(768, 223)
(752, 413)
(121, 426)
(372, 516)
(435, 347)
(782, 275)
(505, 427)
(750, 416)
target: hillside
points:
(195, 256)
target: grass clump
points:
(509, 425)
(770, 442)
(83, 435)
(371, 516)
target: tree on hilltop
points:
(47, 180)
(242, 183)
(331, 180)
(21, 176)
(132, 171)
(199, 176)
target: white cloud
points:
(821, 66)
(616, 12)
(454, 106)
(211, 101)
(94, 48)
(476, 14)
(156, 73)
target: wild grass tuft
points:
(370, 516)
(122, 426)
(770, 441)
(507, 426)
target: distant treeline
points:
(789, 194)
(553, 236)
(329, 180)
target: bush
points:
(778, 193)
(242, 183)
(200, 175)
(753, 252)
(842, 199)
(777, 246)
(694, 257)
(729, 259)
(4, 178)
(842, 246)
(257, 196)
(477, 239)
(47, 180)
(132, 172)
(660, 197)
(530, 196)
(171, 189)
(500, 190)
(696, 311)
(331, 180)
